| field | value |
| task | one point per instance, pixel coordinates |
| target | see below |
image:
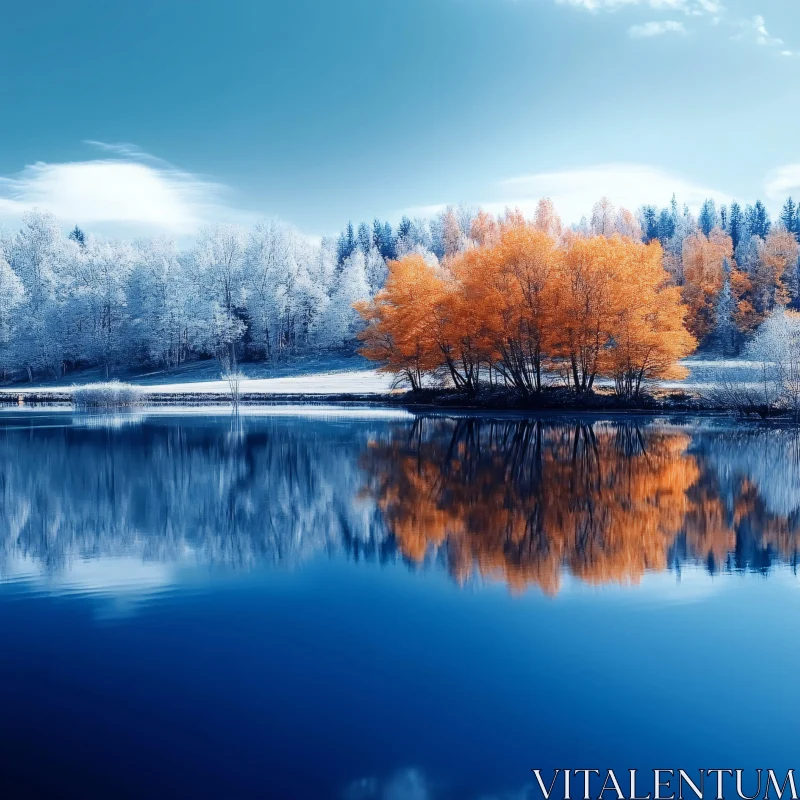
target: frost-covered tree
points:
(604, 218)
(776, 346)
(97, 300)
(39, 256)
(412, 235)
(757, 220)
(346, 245)
(364, 238)
(283, 291)
(726, 333)
(375, 270)
(216, 270)
(627, 225)
(341, 322)
(12, 296)
(159, 304)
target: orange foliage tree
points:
(509, 301)
(704, 264)
(400, 331)
(776, 255)
(648, 329)
(523, 303)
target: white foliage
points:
(261, 293)
(106, 395)
(341, 322)
(776, 346)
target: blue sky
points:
(162, 115)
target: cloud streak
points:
(755, 30)
(692, 8)
(126, 189)
(650, 29)
(749, 29)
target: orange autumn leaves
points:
(521, 501)
(757, 288)
(527, 303)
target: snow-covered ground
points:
(367, 381)
(322, 383)
(328, 376)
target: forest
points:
(619, 297)
(463, 295)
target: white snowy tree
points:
(12, 296)
(158, 304)
(375, 270)
(215, 267)
(604, 218)
(280, 287)
(776, 347)
(39, 255)
(341, 322)
(98, 289)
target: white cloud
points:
(782, 182)
(575, 191)
(126, 190)
(650, 29)
(755, 30)
(694, 8)
(752, 29)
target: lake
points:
(314, 603)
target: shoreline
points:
(555, 402)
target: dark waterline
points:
(386, 606)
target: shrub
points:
(113, 394)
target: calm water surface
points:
(377, 605)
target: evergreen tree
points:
(346, 245)
(757, 220)
(789, 217)
(723, 218)
(404, 229)
(364, 238)
(736, 224)
(673, 208)
(389, 250)
(377, 233)
(725, 331)
(708, 217)
(649, 223)
(78, 236)
(666, 225)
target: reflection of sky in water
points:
(339, 607)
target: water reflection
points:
(519, 500)
(172, 490)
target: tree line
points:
(619, 296)
(69, 302)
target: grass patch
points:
(112, 394)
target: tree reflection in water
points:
(520, 500)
